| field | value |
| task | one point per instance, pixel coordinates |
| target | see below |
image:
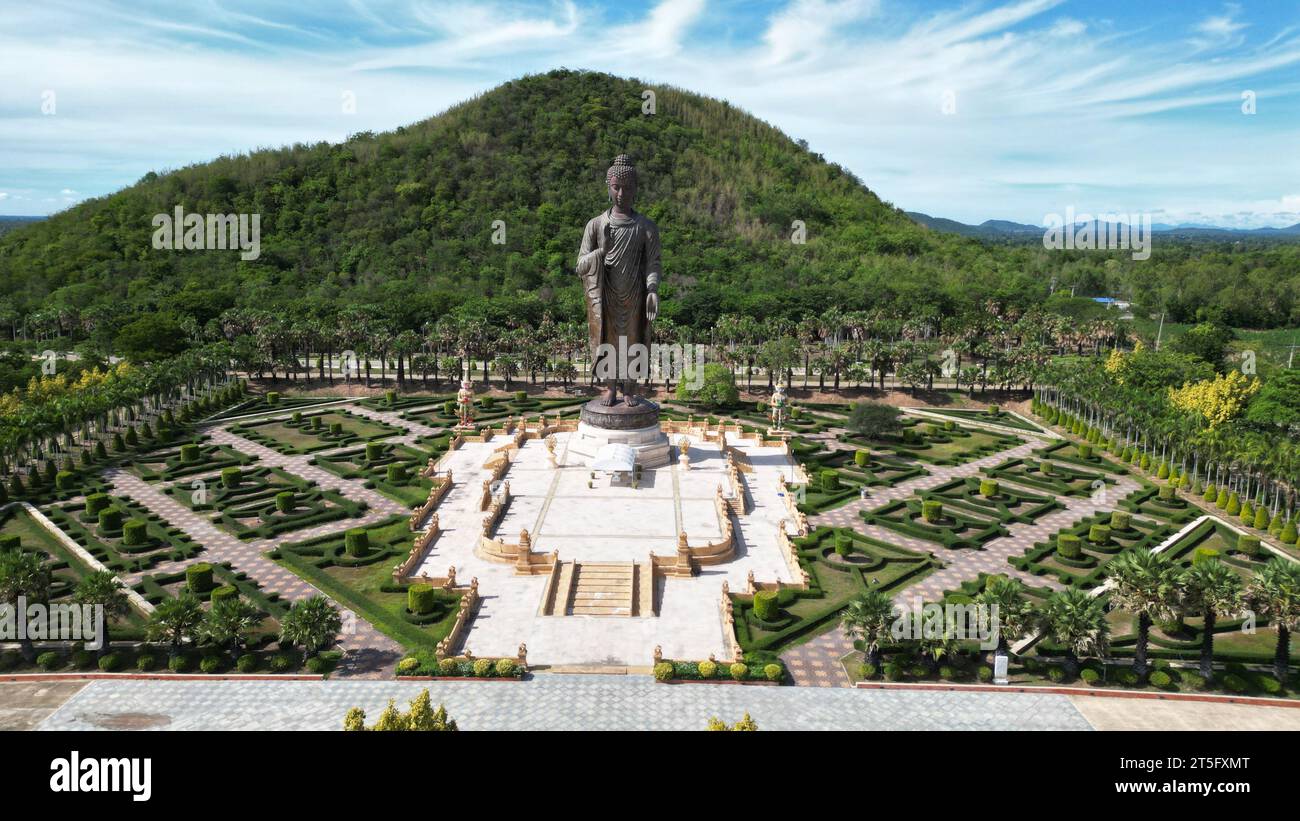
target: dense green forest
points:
(403, 222)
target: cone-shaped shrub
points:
(1162, 472)
(391, 397)
(1275, 525)
(1234, 505)
(1247, 513)
(1145, 462)
(1261, 518)
(1221, 501)
(132, 438)
(1288, 535)
(118, 444)
(1211, 493)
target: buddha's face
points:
(622, 194)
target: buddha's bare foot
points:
(609, 398)
(630, 400)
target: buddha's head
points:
(621, 178)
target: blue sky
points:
(969, 110)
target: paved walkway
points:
(552, 702)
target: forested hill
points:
(404, 221)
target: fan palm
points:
(1077, 621)
(1275, 592)
(1211, 589)
(314, 623)
(103, 589)
(868, 617)
(1147, 585)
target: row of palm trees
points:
(1261, 465)
(1150, 585)
(988, 348)
(67, 421)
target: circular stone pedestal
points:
(636, 426)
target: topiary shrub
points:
(65, 480)
(1069, 546)
(374, 451)
(663, 671)
(396, 473)
(390, 397)
(231, 477)
(110, 663)
(178, 664)
(246, 663)
(135, 533)
(317, 422)
(1160, 679)
(1089, 675)
(284, 501)
(765, 605)
(198, 577)
(1085, 451)
(1288, 534)
(110, 520)
(1234, 683)
(272, 398)
(931, 510)
(483, 668)
(336, 428)
(506, 668)
(190, 454)
(1056, 674)
(210, 664)
(1234, 505)
(1165, 493)
(49, 660)
(225, 591)
(1249, 545)
(984, 673)
(1099, 534)
(357, 542)
(146, 662)
(861, 458)
(1261, 518)
(420, 599)
(96, 503)
(774, 672)
(738, 671)
(1221, 501)
(988, 488)
(448, 667)
(1247, 513)
(1204, 554)
(707, 669)
(408, 666)
(829, 479)
(1119, 520)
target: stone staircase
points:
(601, 589)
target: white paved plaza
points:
(607, 522)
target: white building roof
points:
(614, 457)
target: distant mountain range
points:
(1004, 229)
(10, 223)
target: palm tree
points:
(314, 623)
(1275, 593)
(175, 620)
(1146, 584)
(228, 624)
(1211, 589)
(1016, 616)
(24, 575)
(1077, 621)
(102, 588)
(868, 617)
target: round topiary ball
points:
(738, 671)
(708, 669)
(663, 671)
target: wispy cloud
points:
(1100, 104)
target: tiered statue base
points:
(636, 426)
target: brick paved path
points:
(557, 702)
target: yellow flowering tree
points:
(1217, 400)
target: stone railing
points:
(688, 556)
(521, 555)
(496, 508)
(729, 625)
(797, 516)
(402, 571)
(791, 556)
(468, 605)
(736, 485)
(439, 490)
